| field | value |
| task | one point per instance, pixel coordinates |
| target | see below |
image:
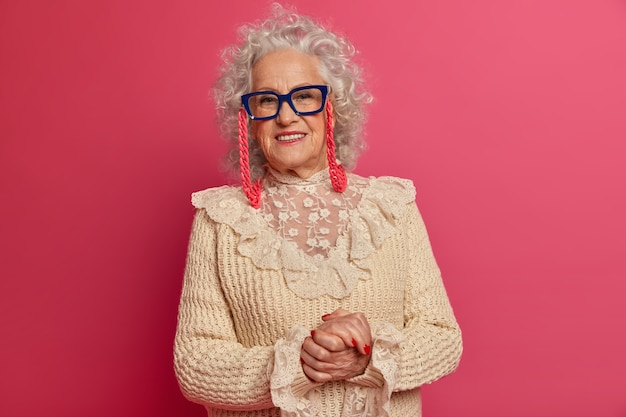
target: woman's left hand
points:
(352, 328)
(338, 349)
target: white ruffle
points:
(359, 401)
(286, 366)
(374, 219)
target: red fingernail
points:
(325, 316)
(353, 342)
(312, 333)
(367, 349)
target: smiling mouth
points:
(290, 138)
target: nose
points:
(286, 115)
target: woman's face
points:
(292, 144)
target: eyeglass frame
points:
(245, 100)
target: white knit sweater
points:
(257, 281)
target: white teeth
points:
(287, 138)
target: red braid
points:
(252, 191)
(338, 176)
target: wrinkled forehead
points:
(284, 69)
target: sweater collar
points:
(274, 177)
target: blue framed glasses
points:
(304, 101)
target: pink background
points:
(510, 116)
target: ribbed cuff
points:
(302, 384)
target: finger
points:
(315, 375)
(328, 341)
(307, 358)
(317, 358)
(312, 352)
(347, 337)
(354, 331)
(361, 332)
(342, 340)
(337, 313)
(351, 320)
(329, 362)
(342, 365)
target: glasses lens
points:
(308, 100)
(263, 105)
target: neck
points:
(303, 172)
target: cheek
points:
(320, 128)
(254, 130)
(259, 130)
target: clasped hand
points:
(339, 348)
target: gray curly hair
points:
(285, 28)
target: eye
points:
(267, 100)
(302, 95)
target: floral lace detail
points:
(319, 238)
(359, 401)
(308, 211)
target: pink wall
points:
(510, 116)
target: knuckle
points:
(323, 356)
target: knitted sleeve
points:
(212, 368)
(433, 344)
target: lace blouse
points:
(257, 281)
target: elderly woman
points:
(308, 290)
